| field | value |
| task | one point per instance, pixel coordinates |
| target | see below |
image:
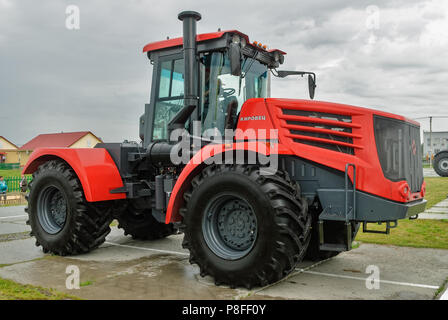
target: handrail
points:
(347, 166)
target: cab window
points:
(170, 96)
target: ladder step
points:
(333, 247)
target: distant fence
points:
(13, 183)
(13, 199)
(9, 166)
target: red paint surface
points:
(176, 42)
(195, 165)
(94, 167)
(369, 175)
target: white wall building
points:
(439, 142)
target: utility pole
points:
(430, 141)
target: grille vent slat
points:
(324, 130)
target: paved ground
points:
(123, 268)
(436, 212)
(429, 172)
(12, 220)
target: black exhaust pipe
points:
(191, 95)
(160, 152)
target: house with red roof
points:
(81, 139)
(7, 151)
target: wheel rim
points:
(443, 165)
(52, 209)
(229, 227)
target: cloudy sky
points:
(389, 54)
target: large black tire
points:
(440, 164)
(334, 232)
(142, 225)
(61, 220)
(278, 240)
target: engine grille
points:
(324, 130)
(399, 151)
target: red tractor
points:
(337, 166)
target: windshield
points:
(219, 87)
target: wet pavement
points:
(123, 268)
(13, 220)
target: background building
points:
(82, 139)
(8, 151)
(439, 142)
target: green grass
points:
(10, 290)
(11, 173)
(411, 233)
(436, 190)
(86, 283)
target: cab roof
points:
(176, 42)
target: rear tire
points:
(262, 227)
(440, 164)
(142, 225)
(61, 220)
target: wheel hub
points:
(237, 224)
(52, 209)
(230, 227)
(443, 165)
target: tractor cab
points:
(229, 71)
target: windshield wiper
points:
(251, 63)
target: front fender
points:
(199, 161)
(94, 167)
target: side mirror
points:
(311, 78)
(235, 59)
(311, 85)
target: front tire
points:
(61, 220)
(243, 228)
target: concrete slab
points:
(429, 172)
(19, 251)
(13, 220)
(123, 268)
(437, 212)
(442, 204)
(433, 216)
(405, 273)
(436, 209)
(13, 227)
(12, 211)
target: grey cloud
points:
(97, 78)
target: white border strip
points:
(8, 217)
(148, 249)
(364, 279)
(444, 295)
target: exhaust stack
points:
(191, 95)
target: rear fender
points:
(199, 161)
(94, 167)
